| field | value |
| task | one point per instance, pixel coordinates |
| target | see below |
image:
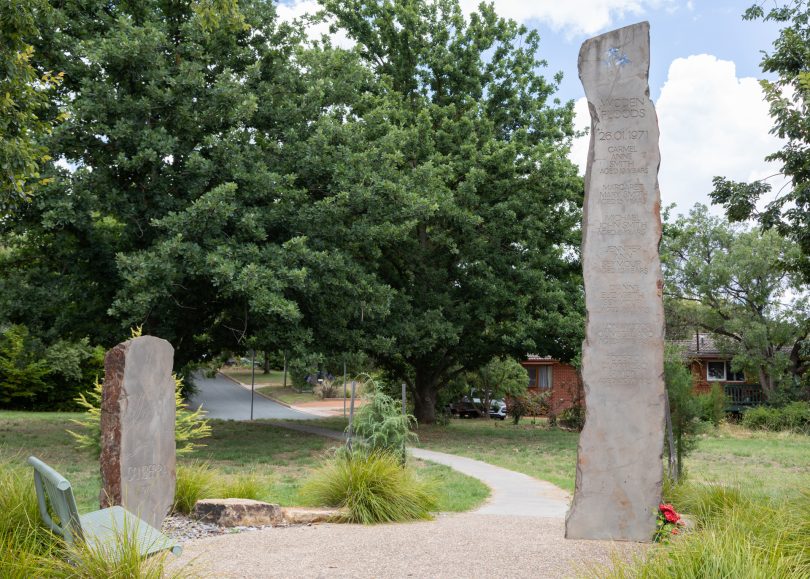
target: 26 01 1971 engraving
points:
(622, 135)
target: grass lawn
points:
(777, 464)
(271, 384)
(545, 453)
(283, 458)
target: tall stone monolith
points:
(619, 469)
(137, 428)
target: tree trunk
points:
(424, 398)
(766, 382)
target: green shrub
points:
(372, 487)
(794, 417)
(22, 371)
(189, 425)
(518, 407)
(572, 418)
(300, 367)
(712, 405)
(195, 481)
(328, 388)
(35, 376)
(381, 426)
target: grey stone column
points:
(619, 468)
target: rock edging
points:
(251, 513)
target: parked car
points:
(466, 408)
(497, 410)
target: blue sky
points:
(703, 78)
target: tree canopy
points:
(789, 99)
(25, 106)
(738, 283)
(229, 184)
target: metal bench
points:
(106, 530)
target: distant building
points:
(561, 379)
(709, 365)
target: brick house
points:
(561, 379)
(709, 366)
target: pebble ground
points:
(458, 545)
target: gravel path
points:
(518, 532)
(464, 545)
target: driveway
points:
(221, 398)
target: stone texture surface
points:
(137, 429)
(619, 469)
(307, 516)
(238, 512)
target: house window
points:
(717, 371)
(539, 377)
(734, 376)
(544, 377)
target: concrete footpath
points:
(513, 493)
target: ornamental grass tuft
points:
(735, 534)
(245, 485)
(195, 481)
(372, 487)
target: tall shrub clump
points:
(381, 426)
(370, 479)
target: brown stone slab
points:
(137, 429)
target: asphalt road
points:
(221, 398)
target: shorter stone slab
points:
(306, 516)
(238, 513)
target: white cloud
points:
(712, 124)
(573, 16)
(288, 11)
(582, 121)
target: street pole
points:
(252, 381)
(285, 370)
(351, 417)
(344, 388)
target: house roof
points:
(705, 346)
(699, 346)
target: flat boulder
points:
(238, 513)
(308, 516)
